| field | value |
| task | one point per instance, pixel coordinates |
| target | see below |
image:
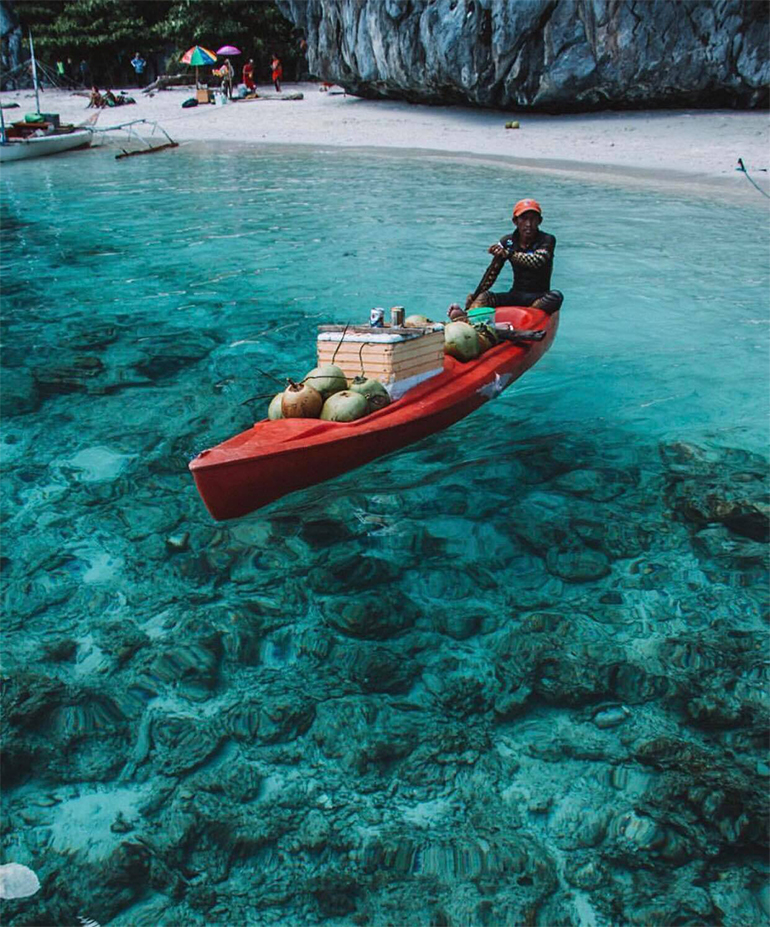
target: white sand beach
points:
(691, 151)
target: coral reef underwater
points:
(514, 675)
(546, 711)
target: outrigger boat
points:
(18, 142)
(274, 458)
(44, 136)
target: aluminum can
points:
(397, 314)
(377, 318)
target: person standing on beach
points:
(227, 80)
(139, 64)
(530, 253)
(63, 73)
(301, 62)
(277, 69)
(248, 75)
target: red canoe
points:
(274, 458)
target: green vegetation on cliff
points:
(106, 33)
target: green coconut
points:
(377, 397)
(327, 379)
(345, 406)
(274, 409)
(416, 321)
(461, 341)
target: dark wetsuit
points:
(531, 274)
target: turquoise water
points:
(399, 696)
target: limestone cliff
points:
(10, 47)
(550, 55)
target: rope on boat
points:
(254, 398)
(270, 376)
(742, 167)
(48, 72)
(339, 343)
(361, 356)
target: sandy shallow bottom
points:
(694, 152)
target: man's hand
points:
(498, 250)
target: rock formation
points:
(10, 43)
(548, 55)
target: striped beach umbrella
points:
(199, 56)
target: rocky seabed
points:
(453, 703)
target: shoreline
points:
(692, 153)
(669, 181)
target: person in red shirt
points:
(277, 68)
(248, 75)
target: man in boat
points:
(530, 253)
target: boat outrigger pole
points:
(34, 72)
(169, 143)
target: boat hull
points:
(23, 148)
(275, 458)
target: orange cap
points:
(527, 206)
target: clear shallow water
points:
(426, 641)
